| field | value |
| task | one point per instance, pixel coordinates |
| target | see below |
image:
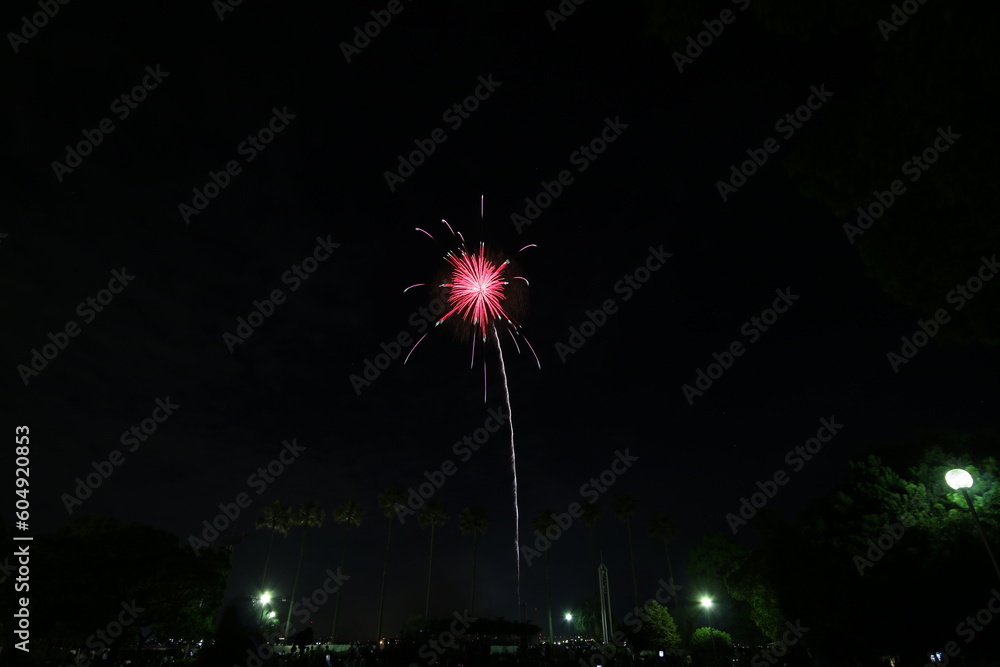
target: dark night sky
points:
(323, 176)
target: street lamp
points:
(706, 602)
(265, 598)
(961, 480)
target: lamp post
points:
(706, 602)
(960, 480)
(569, 621)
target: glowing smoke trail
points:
(513, 467)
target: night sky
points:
(217, 81)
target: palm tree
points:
(590, 513)
(350, 514)
(663, 527)
(624, 506)
(473, 521)
(308, 515)
(275, 517)
(392, 500)
(541, 523)
(434, 513)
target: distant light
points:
(271, 615)
(706, 602)
(958, 479)
(569, 616)
(265, 598)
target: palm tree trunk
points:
(270, 543)
(472, 605)
(670, 568)
(631, 556)
(295, 585)
(385, 567)
(593, 564)
(340, 589)
(430, 563)
(548, 595)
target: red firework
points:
(476, 291)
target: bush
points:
(707, 643)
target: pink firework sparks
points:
(476, 293)
(476, 289)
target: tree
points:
(658, 631)
(276, 518)
(433, 514)
(350, 514)
(473, 521)
(541, 523)
(711, 647)
(308, 515)
(624, 506)
(893, 521)
(114, 570)
(590, 513)
(663, 527)
(587, 617)
(393, 500)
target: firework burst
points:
(477, 293)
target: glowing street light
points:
(265, 598)
(569, 616)
(961, 480)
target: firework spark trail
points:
(476, 292)
(513, 467)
